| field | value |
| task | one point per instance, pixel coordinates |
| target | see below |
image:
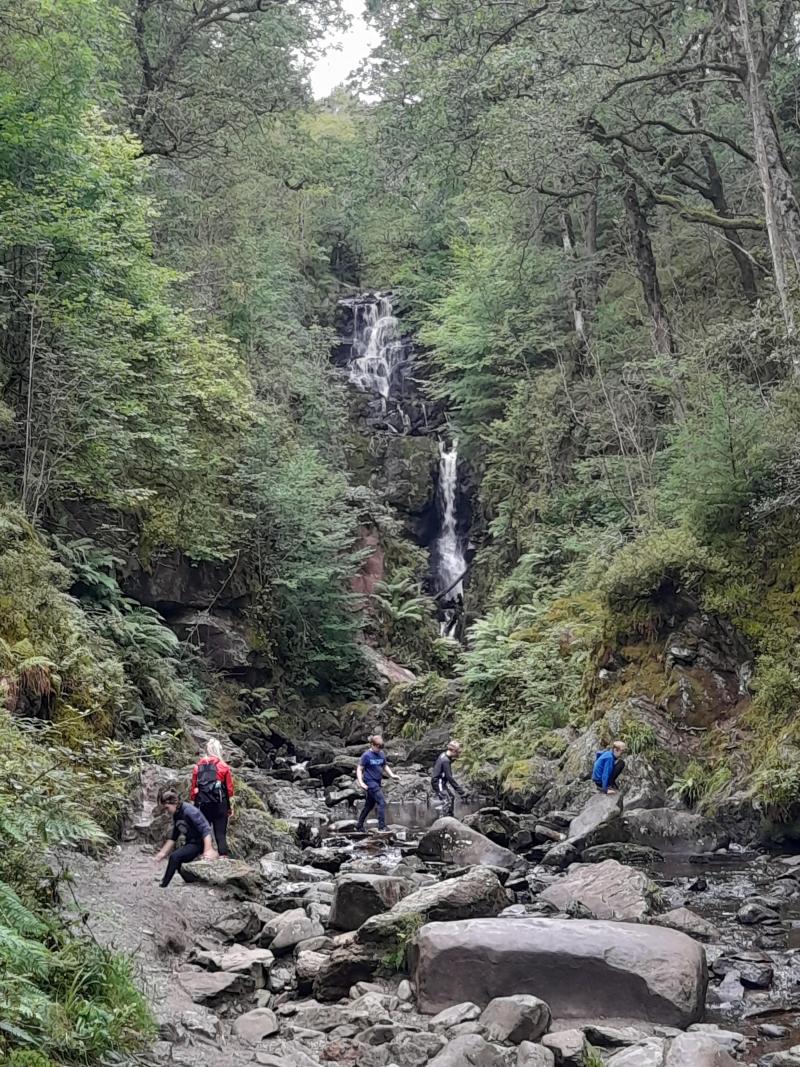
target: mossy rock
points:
(525, 781)
(410, 464)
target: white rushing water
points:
(448, 551)
(378, 348)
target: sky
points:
(344, 51)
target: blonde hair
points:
(214, 748)
(620, 745)
(454, 746)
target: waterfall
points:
(378, 348)
(377, 357)
(448, 556)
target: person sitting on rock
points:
(212, 792)
(608, 766)
(442, 780)
(189, 822)
(369, 774)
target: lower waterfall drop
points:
(449, 564)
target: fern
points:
(16, 916)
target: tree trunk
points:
(575, 294)
(648, 274)
(780, 205)
(716, 194)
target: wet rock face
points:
(711, 664)
(627, 970)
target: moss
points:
(551, 746)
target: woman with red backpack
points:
(212, 792)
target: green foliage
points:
(404, 932)
(703, 785)
(405, 620)
(64, 997)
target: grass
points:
(395, 958)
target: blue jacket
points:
(603, 769)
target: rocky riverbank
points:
(611, 935)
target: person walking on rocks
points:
(212, 792)
(443, 782)
(369, 774)
(608, 766)
(187, 822)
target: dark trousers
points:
(217, 814)
(375, 799)
(444, 800)
(619, 767)
(185, 854)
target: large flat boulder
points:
(607, 890)
(359, 896)
(581, 968)
(450, 841)
(672, 831)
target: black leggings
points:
(217, 814)
(185, 854)
(619, 767)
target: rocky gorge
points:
(610, 934)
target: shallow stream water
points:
(730, 881)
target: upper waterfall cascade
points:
(379, 350)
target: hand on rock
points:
(211, 854)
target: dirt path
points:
(121, 904)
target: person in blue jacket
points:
(189, 823)
(608, 766)
(369, 774)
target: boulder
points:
(359, 896)
(569, 1047)
(498, 825)
(699, 1050)
(450, 841)
(648, 1053)
(455, 1015)
(474, 894)
(530, 1055)
(607, 890)
(288, 929)
(414, 1049)
(255, 1025)
(516, 1018)
(626, 970)
(689, 922)
(307, 966)
(349, 963)
(243, 880)
(623, 852)
(210, 987)
(469, 1050)
(599, 823)
(672, 831)
(753, 967)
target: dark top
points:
(442, 774)
(373, 764)
(189, 821)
